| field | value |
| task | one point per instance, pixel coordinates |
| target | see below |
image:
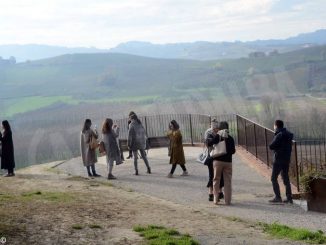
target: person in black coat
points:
(282, 147)
(7, 155)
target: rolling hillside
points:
(94, 78)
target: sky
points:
(106, 23)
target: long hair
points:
(6, 126)
(175, 125)
(107, 126)
(87, 125)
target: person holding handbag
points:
(222, 161)
(209, 134)
(110, 133)
(88, 145)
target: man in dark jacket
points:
(282, 147)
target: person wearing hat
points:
(210, 133)
(223, 164)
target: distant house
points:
(10, 61)
(273, 53)
(257, 54)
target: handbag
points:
(204, 157)
(93, 144)
(101, 148)
(219, 149)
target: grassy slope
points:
(73, 79)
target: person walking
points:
(110, 133)
(129, 121)
(7, 155)
(211, 133)
(88, 151)
(223, 164)
(176, 152)
(137, 142)
(282, 147)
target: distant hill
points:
(196, 50)
(219, 50)
(94, 78)
(36, 51)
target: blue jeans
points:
(283, 169)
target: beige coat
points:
(88, 155)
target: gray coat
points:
(136, 136)
(88, 155)
(111, 146)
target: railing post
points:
(146, 126)
(255, 138)
(245, 131)
(296, 165)
(266, 146)
(237, 122)
(190, 123)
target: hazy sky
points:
(105, 23)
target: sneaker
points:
(170, 175)
(96, 175)
(220, 195)
(185, 173)
(276, 200)
(111, 176)
(210, 197)
(90, 175)
(289, 201)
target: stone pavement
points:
(251, 190)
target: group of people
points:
(219, 167)
(137, 145)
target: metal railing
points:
(192, 126)
(256, 138)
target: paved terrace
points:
(251, 187)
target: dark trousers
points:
(211, 176)
(174, 166)
(283, 169)
(89, 169)
(10, 170)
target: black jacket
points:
(282, 146)
(230, 147)
(7, 156)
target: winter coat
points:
(111, 145)
(282, 146)
(177, 155)
(229, 142)
(136, 136)
(88, 155)
(7, 155)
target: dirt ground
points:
(41, 205)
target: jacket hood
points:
(285, 133)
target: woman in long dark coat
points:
(176, 152)
(7, 155)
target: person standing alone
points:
(177, 155)
(282, 147)
(7, 155)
